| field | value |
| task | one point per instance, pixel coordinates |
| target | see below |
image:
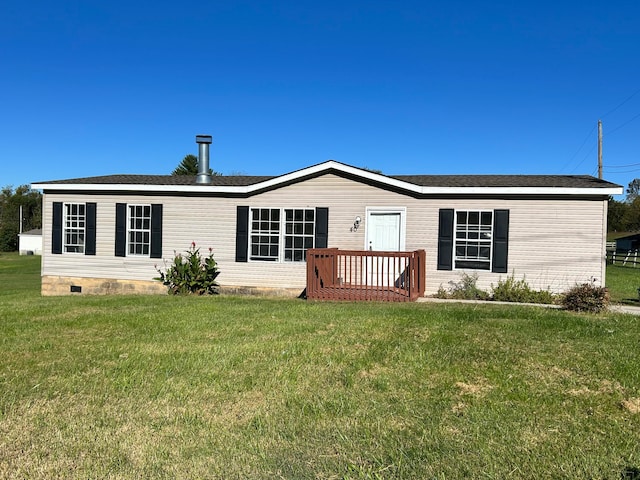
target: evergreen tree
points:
(189, 166)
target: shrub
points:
(466, 289)
(442, 292)
(512, 290)
(191, 273)
(586, 297)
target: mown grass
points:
(229, 387)
(623, 283)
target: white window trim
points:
(251, 234)
(127, 247)
(281, 234)
(403, 223)
(455, 240)
(65, 229)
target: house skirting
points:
(261, 291)
(57, 286)
(53, 286)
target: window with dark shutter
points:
(279, 234)
(73, 228)
(138, 230)
(473, 239)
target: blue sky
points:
(457, 87)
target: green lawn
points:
(230, 387)
(623, 283)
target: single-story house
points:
(108, 234)
(30, 242)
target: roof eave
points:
(520, 191)
(244, 190)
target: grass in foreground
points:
(226, 387)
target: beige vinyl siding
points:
(554, 242)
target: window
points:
(139, 229)
(74, 227)
(473, 239)
(299, 234)
(265, 234)
(281, 234)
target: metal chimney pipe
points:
(203, 142)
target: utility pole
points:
(600, 149)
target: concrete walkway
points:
(630, 309)
(617, 308)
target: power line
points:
(625, 101)
(623, 166)
(580, 148)
(608, 133)
(582, 161)
(624, 171)
(624, 124)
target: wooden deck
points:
(361, 275)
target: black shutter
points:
(121, 230)
(322, 227)
(56, 239)
(90, 230)
(500, 241)
(156, 231)
(242, 234)
(445, 239)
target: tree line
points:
(624, 216)
(10, 202)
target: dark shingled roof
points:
(566, 181)
(562, 181)
(220, 181)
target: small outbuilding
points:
(628, 243)
(30, 242)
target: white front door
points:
(383, 231)
(384, 234)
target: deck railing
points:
(334, 274)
